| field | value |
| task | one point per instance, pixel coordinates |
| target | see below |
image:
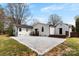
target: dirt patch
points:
(59, 50)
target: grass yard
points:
(69, 48)
(73, 44)
(10, 47)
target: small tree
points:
(1, 27)
(10, 30)
(77, 23)
(73, 29)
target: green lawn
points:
(10, 47)
(72, 43)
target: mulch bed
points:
(58, 36)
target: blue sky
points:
(66, 11)
(42, 11)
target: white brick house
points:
(46, 29)
(22, 30)
(43, 29)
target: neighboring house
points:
(44, 29)
(22, 30)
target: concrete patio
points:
(41, 45)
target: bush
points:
(58, 36)
(77, 24)
(10, 31)
(1, 27)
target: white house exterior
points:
(22, 30)
(60, 29)
(43, 29)
(65, 28)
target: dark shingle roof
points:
(51, 25)
(24, 26)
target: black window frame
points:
(20, 29)
(42, 29)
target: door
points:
(36, 32)
(60, 30)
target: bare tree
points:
(18, 12)
(2, 13)
(54, 19)
(35, 21)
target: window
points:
(19, 29)
(60, 30)
(42, 29)
(27, 30)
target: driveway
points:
(41, 45)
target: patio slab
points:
(41, 45)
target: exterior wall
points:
(39, 27)
(52, 30)
(24, 32)
(64, 29)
